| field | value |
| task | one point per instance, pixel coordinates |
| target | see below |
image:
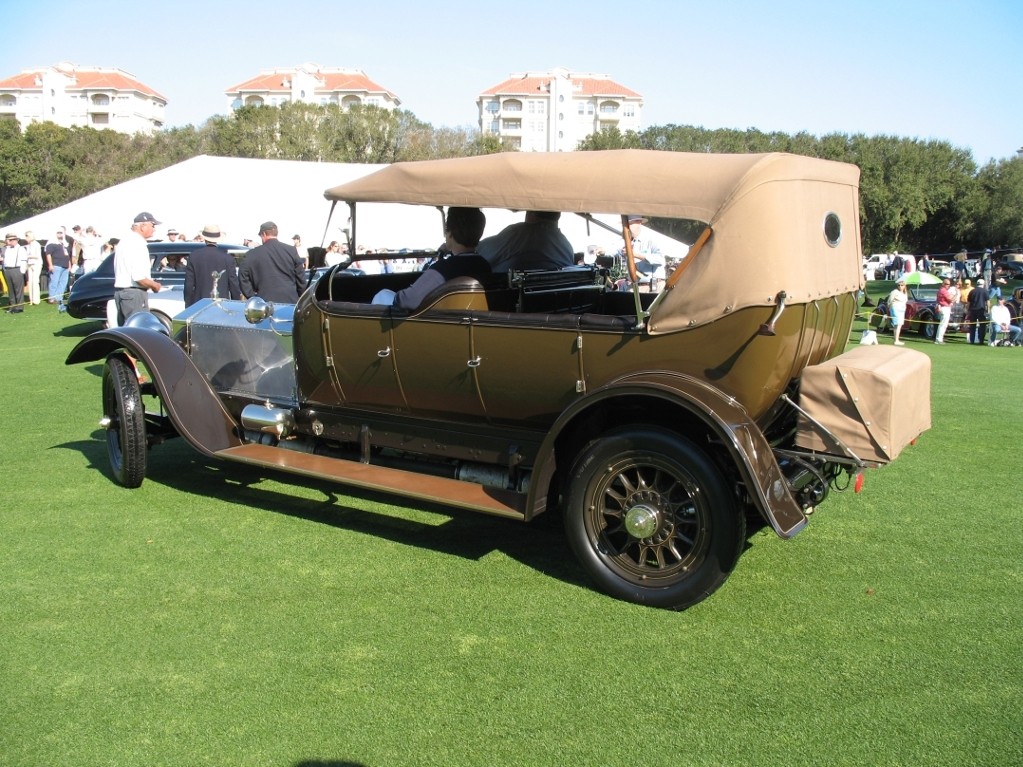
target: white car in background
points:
(166, 304)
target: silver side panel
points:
(251, 360)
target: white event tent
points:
(239, 194)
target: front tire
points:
(927, 325)
(125, 420)
(651, 518)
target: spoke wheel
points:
(125, 421)
(652, 519)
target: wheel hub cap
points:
(642, 521)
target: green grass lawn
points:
(222, 616)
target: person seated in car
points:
(463, 228)
(534, 243)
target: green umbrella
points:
(922, 278)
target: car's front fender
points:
(194, 408)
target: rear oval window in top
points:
(832, 229)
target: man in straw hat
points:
(15, 257)
(210, 266)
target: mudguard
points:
(726, 417)
(194, 408)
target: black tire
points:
(125, 419)
(880, 320)
(927, 325)
(651, 518)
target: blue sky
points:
(929, 70)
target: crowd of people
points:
(32, 269)
(985, 311)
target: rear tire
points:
(651, 518)
(125, 419)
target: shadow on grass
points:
(79, 329)
(540, 544)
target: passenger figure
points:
(534, 243)
(463, 228)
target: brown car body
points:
(654, 421)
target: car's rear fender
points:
(194, 408)
(699, 411)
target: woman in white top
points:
(897, 301)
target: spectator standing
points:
(35, 267)
(334, 256)
(649, 259)
(76, 251)
(203, 263)
(273, 271)
(132, 268)
(987, 263)
(960, 263)
(897, 301)
(534, 243)
(296, 240)
(15, 266)
(92, 249)
(976, 313)
(945, 300)
(58, 264)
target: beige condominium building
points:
(553, 111)
(311, 84)
(72, 95)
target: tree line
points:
(915, 196)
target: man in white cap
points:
(211, 266)
(133, 270)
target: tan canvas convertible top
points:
(767, 213)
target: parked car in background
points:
(1010, 270)
(655, 423)
(874, 265)
(921, 313)
(88, 297)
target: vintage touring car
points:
(653, 422)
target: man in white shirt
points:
(15, 267)
(1001, 322)
(92, 249)
(132, 269)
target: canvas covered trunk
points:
(874, 399)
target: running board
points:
(424, 487)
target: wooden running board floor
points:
(441, 490)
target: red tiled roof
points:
(587, 86)
(85, 79)
(332, 81)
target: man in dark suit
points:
(202, 263)
(273, 271)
